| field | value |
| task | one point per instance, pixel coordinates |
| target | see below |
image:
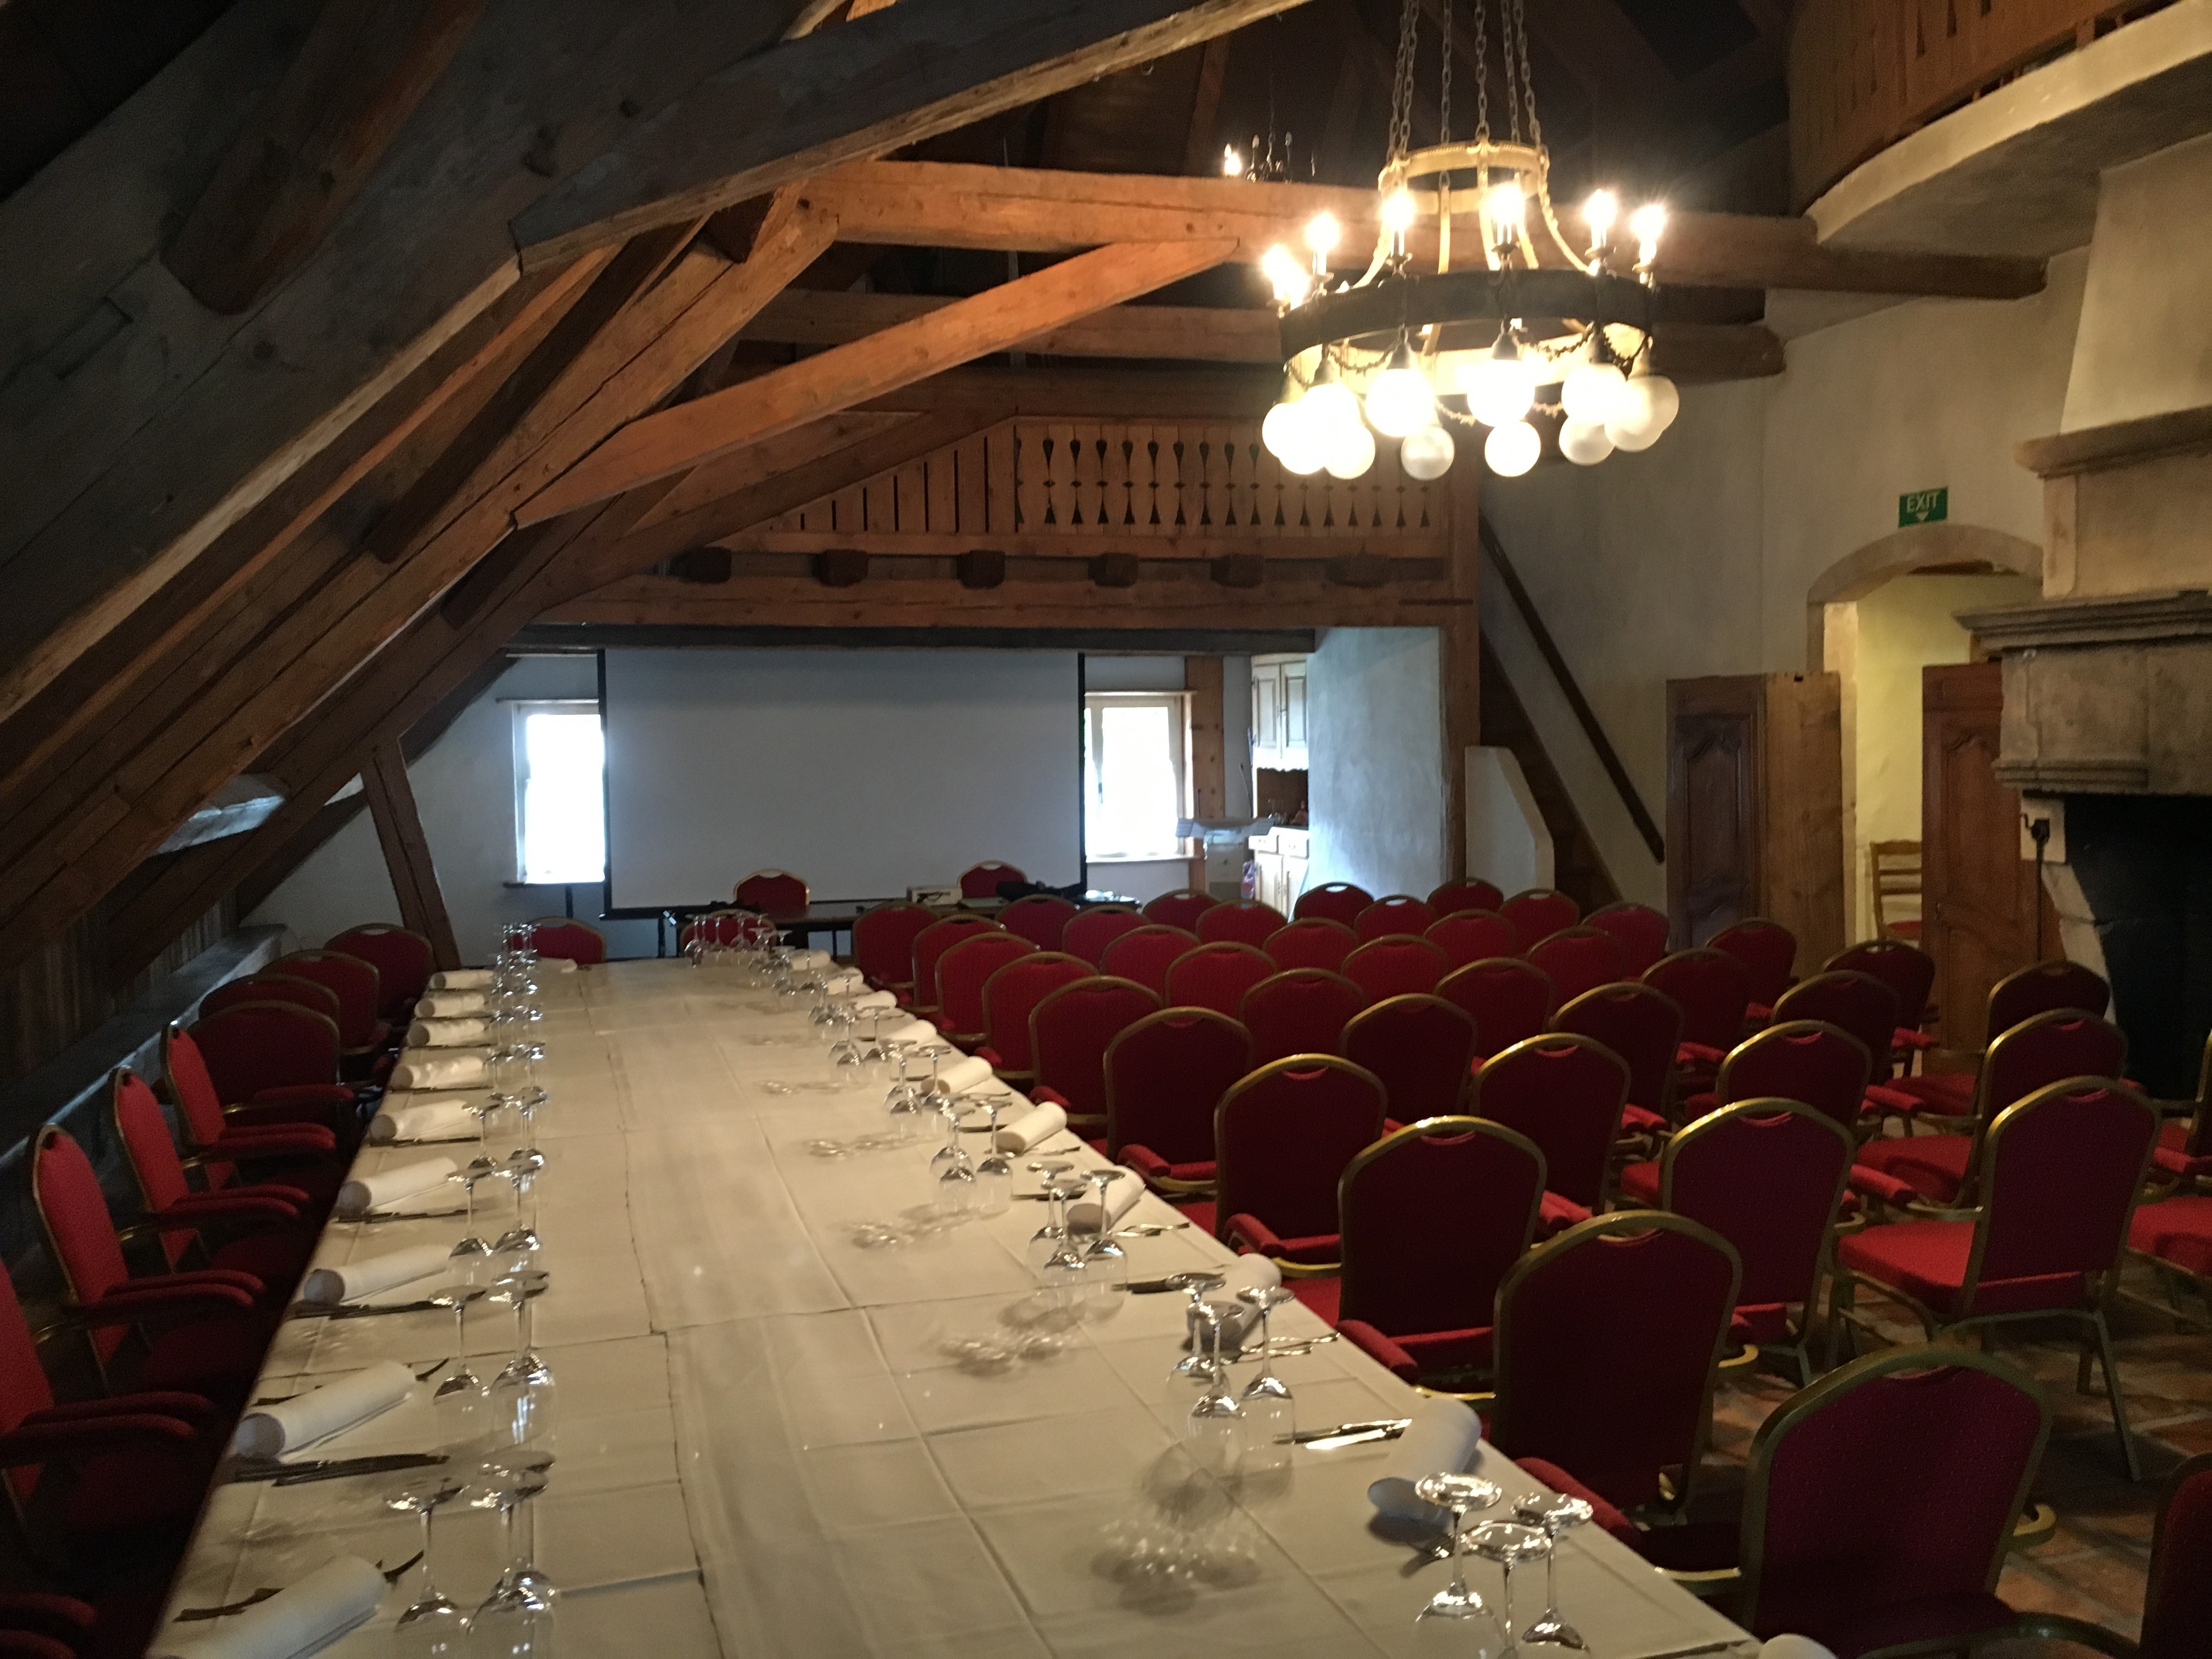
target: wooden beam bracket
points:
(840, 566)
(1114, 570)
(1240, 569)
(981, 567)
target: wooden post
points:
(406, 853)
(1459, 652)
(1208, 757)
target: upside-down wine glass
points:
(994, 1176)
(517, 1618)
(1049, 1237)
(1193, 1373)
(1107, 1262)
(1508, 1543)
(1216, 1428)
(524, 1392)
(1266, 1397)
(952, 1171)
(1457, 1623)
(1061, 1273)
(1556, 1513)
(456, 1400)
(431, 1626)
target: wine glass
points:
(1555, 1512)
(1108, 1262)
(1457, 1620)
(994, 1176)
(1217, 1427)
(1508, 1543)
(461, 1391)
(952, 1171)
(1053, 1235)
(1061, 1274)
(522, 1394)
(430, 1624)
(1194, 1370)
(904, 1100)
(1266, 1397)
(517, 1617)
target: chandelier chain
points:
(1401, 84)
(1481, 73)
(1443, 98)
(1517, 18)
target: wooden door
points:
(1979, 902)
(1714, 833)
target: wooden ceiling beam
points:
(1071, 393)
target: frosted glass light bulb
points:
(1500, 385)
(1427, 454)
(1330, 405)
(1351, 453)
(1584, 442)
(1512, 449)
(1648, 406)
(1279, 430)
(1399, 400)
(1292, 438)
(1592, 391)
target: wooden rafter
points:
(407, 849)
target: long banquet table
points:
(763, 1448)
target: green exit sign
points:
(1923, 506)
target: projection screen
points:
(864, 772)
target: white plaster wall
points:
(1374, 739)
(2145, 345)
(1507, 844)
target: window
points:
(560, 803)
(1136, 783)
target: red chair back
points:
(1908, 970)
(73, 1211)
(1334, 900)
(1400, 913)
(1216, 976)
(403, 959)
(2059, 1178)
(564, 936)
(1420, 1047)
(1011, 995)
(1713, 989)
(1640, 1024)
(1468, 936)
(1165, 1074)
(2044, 987)
(1180, 909)
(1300, 1011)
(1766, 1175)
(1641, 930)
(1767, 950)
(1455, 897)
(1565, 1093)
(1434, 1217)
(1540, 912)
(982, 880)
(1239, 922)
(266, 1045)
(1071, 1029)
(883, 942)
(1395, 964)
(1801, 1060)
(1089, 932)
(1512, 1000)
(1042, 919)
(24, 1386)
(1854, 1002)
(272, 988)
(353, 981)
(1283, 1136)
(1580, 960)
(1145, 953)
(1315, 942)
(961, 972)
(192, 1090)
(1608, 1340)
(930, 946)
(2177, 1600)
(143, 1135)
(1892, 1483)
(2044, 1049)
(772, 893)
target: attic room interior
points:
(796, 797)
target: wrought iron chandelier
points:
(1573, 335)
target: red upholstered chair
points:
(882, 943)
(961, 972)
(2035, 1053)
(1300, 1011)
(982, 880)
(1011, 995)
(2177, 1600)
(1282, 1137)
(1801, 1060)
(773, 893)
(1434, 1216)
(1180, 909)
(217, 1348)
(1512, 1000)
(1540, 912)
(1565, 1093)
(403, 959)
(1335, 901)
(2059, 1175)
(1216, 976)
(272, 988)
(1910, 972)
(358, 988)
(1395, 964)
(1609, 1337)
(1144, 954)
(1042, 919)
(1240, 921)
(312, 1153)
(2184, 1145)
(1455, 897)
(930, 946)
(254, 1046)
(1580, 960)
(2041, 989)
(1165, 1076)
(1851, 1001)
(564, 936)
(1421, 1047)
(1714, 989)
(1070, 1031)
(1768, 952)
(1644, 1027)
(1315, 942)
(1468, 936)
(1090, 930)
(1641, 930)
(1399, 913)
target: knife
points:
(404, 1215)
(1347, 1434)
(350, 1310)
(325, 1469)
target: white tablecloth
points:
(764, 1450)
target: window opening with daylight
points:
(1136, 778)
(560, 799)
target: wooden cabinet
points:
(1279, 712)
(1755, 808)
(1280, 859)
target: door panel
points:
(1713, 835)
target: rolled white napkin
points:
(450, 1005)
(963, 1074)
(816, 959)
(366, 1192)
(557, 965)
(1249, 1272)
(434, 1117)
(845, 984)
(875, 999)
(447, 1033)
(1440, 1440)
(272, 1431)
(373, 1274)
(1120, 1197)
(1037, 1124)
(915, 1030)
(306, 1614)
(464, 979)
(1787, 1646)
(463, 1069)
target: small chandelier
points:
(1574, 335)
